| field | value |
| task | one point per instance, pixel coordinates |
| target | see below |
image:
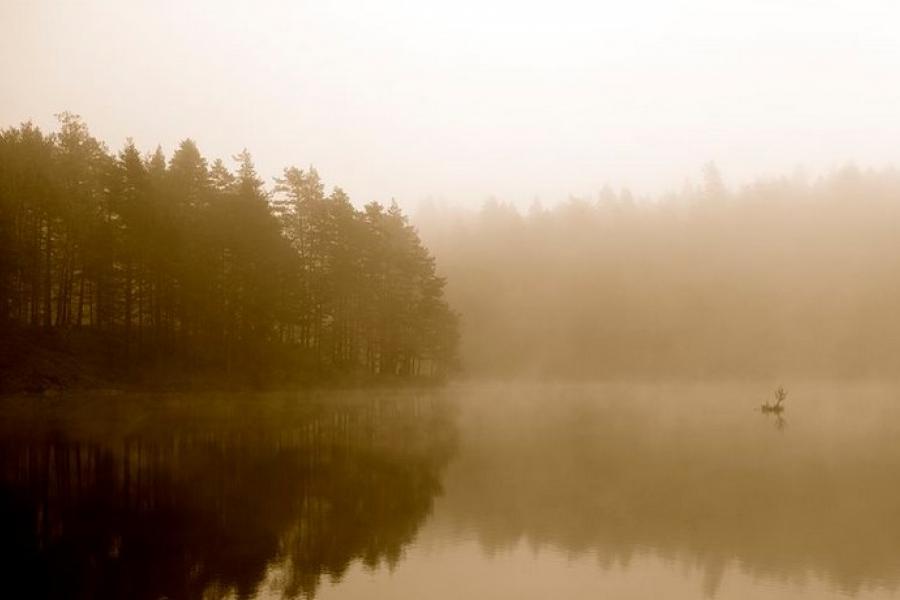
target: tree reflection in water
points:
(187, 497)
(689, 474)
(184, 497)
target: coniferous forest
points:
(793, 274)
(148, 264)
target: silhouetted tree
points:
(204, 267)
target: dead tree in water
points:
(778, 407)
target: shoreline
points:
(38, 364)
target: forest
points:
(144, 265)
(795, 275)
(153, 268)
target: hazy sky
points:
(464, 99)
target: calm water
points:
(475, 491)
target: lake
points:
(476, 490)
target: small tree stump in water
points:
(778, 407)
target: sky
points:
(468, 99)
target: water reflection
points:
(690, 475)
(183, 498)
(508, 485)
(777, 420)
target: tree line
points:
(187, 263)
(787, 275)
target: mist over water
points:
(492, 490)
(488, 299)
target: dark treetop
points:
(154, 266)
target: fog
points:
(460, 101)
(785, 276)
(482, 299)
(780, 261)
